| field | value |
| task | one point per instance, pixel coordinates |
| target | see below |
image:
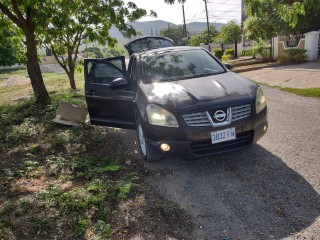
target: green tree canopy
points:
(12, 50)
(196, 40)
(69, 23)
(174, 33)
(115, 51)
(42, 18)
(25, 15)
(93, 52)
(268, 18)
(230, 33)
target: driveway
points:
(269, 191)
(305, 75)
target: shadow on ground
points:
(250, 194)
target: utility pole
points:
(205, 3)
(184, 25)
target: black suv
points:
(182, 100)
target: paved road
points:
(306, 75)
(269, 191)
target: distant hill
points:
(154, 28)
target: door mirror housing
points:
(229, 66)
(118, 83)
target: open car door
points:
(107, 92)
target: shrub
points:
(230, 52)
(293, 55)
(260, 50)
(218, 52)
(247, 52)
(226, 58)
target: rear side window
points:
(177, 65)
(103, 73)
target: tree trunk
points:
(71, 79)
(71, 72)
(33, 67)
(235, 49)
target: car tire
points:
(147, 153)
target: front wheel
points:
(145, 149)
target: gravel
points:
(269, 191)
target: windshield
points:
(178, 65)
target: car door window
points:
(117, 61)
(103, 73)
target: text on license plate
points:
(223, 135)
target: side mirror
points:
(117, 83)
(228, 65)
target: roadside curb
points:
(240, 69)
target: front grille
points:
(200, 119)
(206, 147)
(240, 112)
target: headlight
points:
(160, 116)
(260, 101)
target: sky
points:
(218, 10)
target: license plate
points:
(223, 135)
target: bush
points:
(247, 52)
(259, 50)
(226, 58)
(293, 55)
(218, 52)
(230, 52)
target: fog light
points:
(165, 147)
(265, 128)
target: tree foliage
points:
(268, 18)
(63, 25)
(174, 33)
(196, 40)
(25, 15)
(115, 51)
(69, 23)
(93, 52)
(12, 50)
(230, 33)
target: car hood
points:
(196, 91)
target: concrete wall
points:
(309, 43)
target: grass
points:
(305, 92)
(60, 182)
(53, 156)
(55, 83)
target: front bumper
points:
(192, 143)
(193, 150)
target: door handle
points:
(91, 92)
